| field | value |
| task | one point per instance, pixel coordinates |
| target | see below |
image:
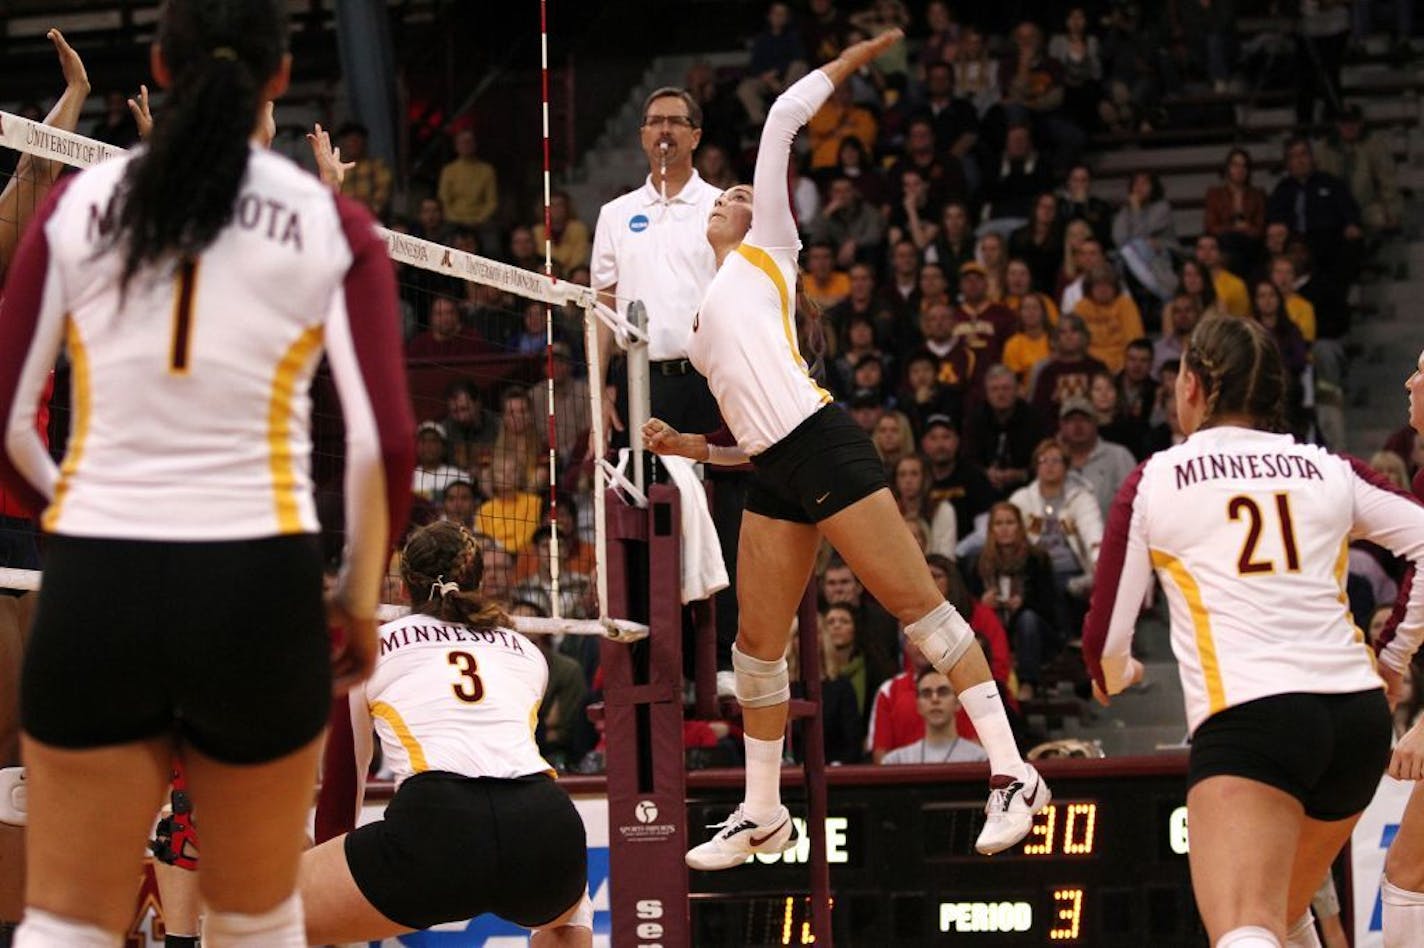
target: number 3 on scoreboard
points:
(1246, 563)
(184, 282)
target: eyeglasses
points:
(943, 691)
(671, 121)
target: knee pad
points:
(13, 798)
(942, 635)
(1250, 936)
(581, 918)
(279, 927)
(41, 929)
(760, 684)
(1392, 894)
(1302, 934)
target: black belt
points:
(671, 367)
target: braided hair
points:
(1241, 372)
(180, 191)
(442, 554)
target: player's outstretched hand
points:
(1407, 761)
(353, 646)
(70, 64)
(143, 116)
(331, 169)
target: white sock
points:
(280, 927)
(1250, 936)
(1302, 933)
(1403, 916)
(986, 709)
(763, 778)
(41, 929)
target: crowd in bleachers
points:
(1006, 333)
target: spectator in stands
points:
(913, 219)
(1001, 432)
(1076, 50)
(432, 473)
(822, 283)
(1136, 388)
(1016, 181)
(469, 191)
(1268, 307)
(1236, 213)
(430, 222)
(1032, 82)
(945, 179)
(823, 32)
(117, 125)
(954, 244)
(1318, 206)
(864, 303)
(993, 255)
(1102, 464)
(837, 120)
(1113, 423)
(458, 503)
(1039, 243)
(1076, 202)
(1016, 581)
(954, 477)
(842, 727)
(532, 336)
(571, 406)
(1366, 165)
(777, 60)
(942, 43)
(562, 728)
(1230, 289)
(1031, 344)
(1018, 284)
(924, 395)
(523, 251)
(976, 74)
(1320, 45)
(873, 632)
(1068, 372)
(1087, 256)
(1145, 235)
(1063, 517)
(1300, 310)
(446, 338)
(893, 438)
(1196, 281)
(894, 717)
(979, 313)
(854, 162)
(910, 483)
(866, 407)
(572, 240)
(869, 375)
(903, 285)
(512, 513)
(1168, 431)
(857, 342)
(369, 179)
(522, 438)
(934, 287)
(1182, 316)
(958, 360)
(576, 593)
(470, 428)
(955, 122)
(1111, 316)
(712, 163)
(941, 743)
(849, 224)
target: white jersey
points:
(451, 698)
(658, 253)
(744, 337)
(190, 391)
(1248, 533)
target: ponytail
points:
(1241, 371)
(810, 330)
(180, 191)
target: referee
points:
(651, 245)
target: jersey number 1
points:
(185, 280)
(469, 689)
(1247, 564)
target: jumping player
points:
(817, 475)
(196, 283)
(1248, 533)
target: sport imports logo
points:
(646, 811)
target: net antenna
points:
(77, 151)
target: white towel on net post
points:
(703, 572)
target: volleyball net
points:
(504, 383)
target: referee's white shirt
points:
(658, 253)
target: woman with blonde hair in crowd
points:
(893, 439)
(1017, 583)
(520, 435)
(993, 254)
(1074, 233)
(910, 483)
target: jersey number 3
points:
(469, 689)
(1247, 564)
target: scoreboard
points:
(1105, 864)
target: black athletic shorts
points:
(822, 467)
(1326, 750)
(453, 847)
(222, 644)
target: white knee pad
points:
(13, 799)
(280, 927)
(1403, 916)
(942, 635)
(1250, 936)
(760, 684)
(1302, 933)
(41, 929)
(582, 917)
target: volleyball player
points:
(1248, 533)
(817, 475)
(1402, 889)
(477, 823)
(196, 282)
